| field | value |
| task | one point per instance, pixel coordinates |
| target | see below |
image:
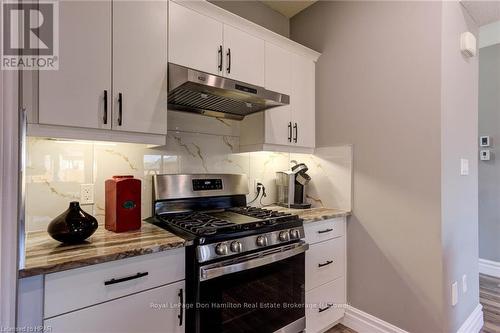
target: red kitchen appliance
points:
(123, 204)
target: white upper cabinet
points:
(278, 77)
(112, 72)
(140, 66)
(195, 40)
(244, 56)
(302, 102)
(76, 94)
(290, 125)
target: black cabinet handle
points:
(228, 60)
(325, 308)
(295, 127)
(220, 58)
(181, 314)
(120, 104)
(127, 278)
(105, 116)
(326, 263)
(290, 131)
(324, 231)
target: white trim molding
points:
(474, 322)
(363, 322)
(489, 267)
(9, 172)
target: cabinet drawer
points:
(325, 305)
(325, 262)
(323, 230)
(156, 310)
(77, 288)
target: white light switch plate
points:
(464, 167)
(454, 293)
(464, 283)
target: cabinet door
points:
(303, 102)
(278, 77)
(155, 310)
(194, 40)
(140, 66)
(244, 55)
(74, 95)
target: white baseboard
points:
(489, 267)
(474, 322)
(363, 322)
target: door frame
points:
(9, 195)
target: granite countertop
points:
(46, 255)
(313, 214)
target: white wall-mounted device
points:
(468, 44)
(485, 155)
(484, 141)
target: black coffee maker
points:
(292, 186)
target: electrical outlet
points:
(464, 283)
(454, 293)
(256, 181)
(86, 194)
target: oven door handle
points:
(207, 273)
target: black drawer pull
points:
(219, 53)
(105, 116)
(296, 133)
(181, 314)
(325, 308)
(127, 278)
(228, 61)
(326, 263)
(290, 131)
(120, 111)
(324, 231)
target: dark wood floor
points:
(340, 329)
(489, 296)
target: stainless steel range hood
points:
(211, 95)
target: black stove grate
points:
(202, 224)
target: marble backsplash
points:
(56, 169)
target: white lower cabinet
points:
(137, 294)
(154, 310)
(325, 274)
(327, 305)
(325, 261)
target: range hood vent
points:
(217, 96)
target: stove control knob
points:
(261, 241)
(284, 236)
(222, 249)
(236, 247)
(294, 234)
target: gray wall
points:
(379, 86)
(489, 172)
(258, 13)
(459, 194)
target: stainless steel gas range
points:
(245, 265)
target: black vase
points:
(73, 226)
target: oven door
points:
(260, 292)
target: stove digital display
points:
(207, 184)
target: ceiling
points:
(483, 12)
(288, 8)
